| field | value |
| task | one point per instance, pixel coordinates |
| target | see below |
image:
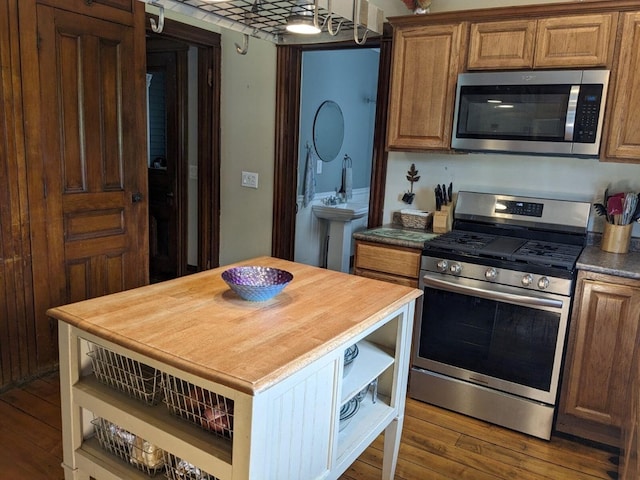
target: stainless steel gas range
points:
(497, 299)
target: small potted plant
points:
(418, 6)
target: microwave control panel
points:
(587, 114)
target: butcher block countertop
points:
(197, 324)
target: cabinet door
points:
(495, 45)
(624, 128)
(580, 41)
(426, 63)
(602, 344)
(629, 454)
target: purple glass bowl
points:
(256, 283)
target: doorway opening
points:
(289, 69)
(183, 86)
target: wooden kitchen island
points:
(279, 363)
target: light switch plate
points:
(250, 179)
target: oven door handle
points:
(492, 295)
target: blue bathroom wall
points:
(349, 78)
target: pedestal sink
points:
(340, 218)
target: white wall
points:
(247, 114)
(554, 177)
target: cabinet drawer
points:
(394, 260)
(385, 277)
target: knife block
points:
(443, 219)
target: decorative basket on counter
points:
(178, 469)
(132, 449)
(415, 219)
(208, 410)
(136, 379)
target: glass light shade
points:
(301, 24)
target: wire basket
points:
(178, 469)
(128, 447)
(419, 220)
(208, 410)
(136, 379)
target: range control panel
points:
(513, 207)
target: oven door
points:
(505, 338)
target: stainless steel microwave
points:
(540, 112)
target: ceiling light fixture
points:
(304, 18)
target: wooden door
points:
(94, 155)
(167, 186)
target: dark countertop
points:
(396, 235)
(625, 265)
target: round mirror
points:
(328, 131)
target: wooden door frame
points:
(209, 78)
(285, 194)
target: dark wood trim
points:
(209, 61)
(288, 68)
(289, 64)
(209, 79)
(380, 153)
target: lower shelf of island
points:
(155, 424)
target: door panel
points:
(95, 158)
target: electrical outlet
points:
(250, 179)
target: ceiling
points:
(266, 19)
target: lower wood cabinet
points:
(400, 265)
(630, 451)
(603, 339)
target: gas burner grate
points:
(460, 241)
(548, 253)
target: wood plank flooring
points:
(436, 445)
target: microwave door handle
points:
(572, 106)
(492, 295)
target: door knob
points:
(136, 197)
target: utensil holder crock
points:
(616, 238)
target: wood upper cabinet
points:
(507, 44)
(576, 41)
(400, 265)
(426, 63)
(623, 140)
(603, 339)
(558, 42)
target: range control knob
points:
(490, 274)
(527, 280)
(543, 283)
(442, 266)
(455, 268)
